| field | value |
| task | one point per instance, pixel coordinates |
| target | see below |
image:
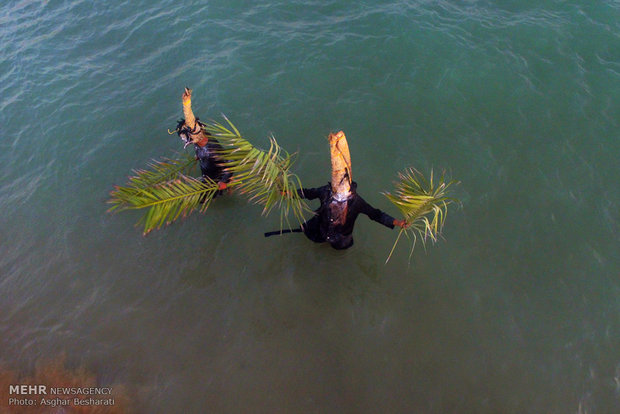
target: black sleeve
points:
(375, 214)
(215, 148)
(309, 193)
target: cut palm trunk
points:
(424, 205)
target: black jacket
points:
(334, 220)
(210, 162)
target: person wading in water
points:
(191, 132)
(340, 204)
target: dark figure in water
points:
(340, 203)
(335, 219)
(190, 130)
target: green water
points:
(517, 310)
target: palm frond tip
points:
(166, 201)
(423, 203)
(161, 171)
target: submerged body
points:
(335, 217)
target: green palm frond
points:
(157, 172)
(167, 192)
(264, 176)
(424, 205)
(166, 201)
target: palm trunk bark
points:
(341, 166)
(197, 135)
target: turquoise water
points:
(516, 311)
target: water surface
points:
(517, 310)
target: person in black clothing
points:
(207, 154)
(340, 203)
(206, 147)
(334, 219)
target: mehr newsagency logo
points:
(36, 395)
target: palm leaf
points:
(167, 192)
(424, 205)
(264, 176)
(166, 201)
(158, 172)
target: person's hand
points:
(401, 223)
(221, 185)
